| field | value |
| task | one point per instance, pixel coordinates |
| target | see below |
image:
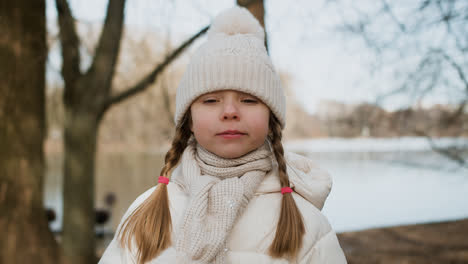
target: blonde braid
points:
(290, 229)
(179, 143)
(151, 223)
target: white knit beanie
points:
(233, 58)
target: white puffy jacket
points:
(254, 230)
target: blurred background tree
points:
(26, 237)
(423, 46)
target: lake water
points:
(376, 182)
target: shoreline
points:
(439, 242)
(305, 145)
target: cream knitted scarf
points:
(219, 190)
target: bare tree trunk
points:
(78, 190)
(84, 97)
(26, 237)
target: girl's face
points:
(229, 123)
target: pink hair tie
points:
(163, 179)
(286, 190)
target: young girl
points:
(227, 192)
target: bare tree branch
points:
(108, 46)
(457, 68)
(70, 48)
(360, 29)
(447, 19)
(389, 10)
(452, 153)
(151, 77)
(407, 84)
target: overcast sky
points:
(323, 63)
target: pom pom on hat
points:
(236, 20)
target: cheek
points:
(259, 122)
(201, 121)
(197, 123)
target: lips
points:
(231, 132)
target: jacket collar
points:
(305, 177)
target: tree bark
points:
(26, 237)
(78, 238)
(84, 98)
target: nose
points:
(230, 111)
